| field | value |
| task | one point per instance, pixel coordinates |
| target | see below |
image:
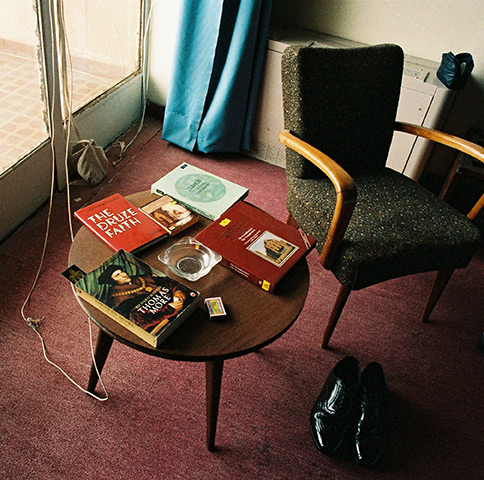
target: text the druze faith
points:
(113, 224)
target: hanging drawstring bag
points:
(454, 70)
(89, 159)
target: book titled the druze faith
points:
(256, 245)
(140, 298)
(202, 192)
(120, 224)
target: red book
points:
(256, 245)
(120, 224)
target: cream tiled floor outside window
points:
(21, 124)
(21, 108)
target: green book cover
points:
(202, 192)
(143, 300)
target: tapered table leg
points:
(103, 345)
(213, 379)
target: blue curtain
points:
(219, 58)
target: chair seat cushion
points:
(398, 228)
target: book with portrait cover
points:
(170, 214)
(145, 301)
(256, 245)
(202, 192)
(120, 224)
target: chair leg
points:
(440, 282)
(339, 304)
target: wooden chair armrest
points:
(344, 186)
(457, 143)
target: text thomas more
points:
(113, 224)
(155, 302)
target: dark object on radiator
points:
(455, 69)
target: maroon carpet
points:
(153, 425)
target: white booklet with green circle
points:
(202, 192)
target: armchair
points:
(372, 223)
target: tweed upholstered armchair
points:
(372, 223)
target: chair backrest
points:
(342, 101)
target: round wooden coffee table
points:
(255, 317)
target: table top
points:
(255, 317)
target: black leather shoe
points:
(372, 434)
(332, 414)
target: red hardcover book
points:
(120, 224)
(256, 245)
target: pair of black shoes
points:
(351, 413)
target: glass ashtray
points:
(189, 259)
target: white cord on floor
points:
(31, 322)
(34, 323)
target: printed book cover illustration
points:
(170, 214)
(200, 191)
(120, 224)
(256, 245)
(145, 301)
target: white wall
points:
(423, 29)
(164, 26)
(16, 21)
(93, 28)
